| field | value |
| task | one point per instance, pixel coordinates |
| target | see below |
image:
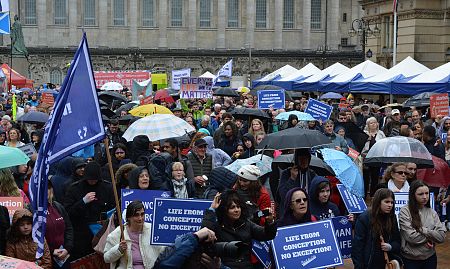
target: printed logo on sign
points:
(310, 259)
(126, 193)
(343, 221)
(67, 109)
(165, 195)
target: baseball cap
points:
(200, 142)
(395, 111)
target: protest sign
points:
(271, 99)
(353, 153)
(261, 251)
(177, 75)
(353, 203)
(401, 199)
(439, 105)
(125, 78)
(147, 100)
(175, 217)
(146, 196)
(318, 110)
(47, 98)
(12, 204)
(308, 245)
(197, 88)
(28, 149)
(343, 233)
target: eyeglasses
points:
(401, 172)
(299, 201)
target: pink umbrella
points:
(163, 95)
(437, 176)
(12, 263)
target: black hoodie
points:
(39, 133)
(321, 210)
(133, 180)
(249, 152)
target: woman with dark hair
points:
(229, 140)
(14, 139)
(139, 178)
(249, 146)
(129, 252)
(228, 218)
(2, 137)
(376, 231)
(296, 209)
(119, 152)
(292, 121)
(420, 228)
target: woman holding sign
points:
(420, 229)
(376, 231)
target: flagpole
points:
(394, 52)
(9, 86)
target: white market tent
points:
(299, 75)
(382, 83)
(341, 82)
(221, 83)
(312, 83)
(275, 75)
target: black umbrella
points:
(126, 107)
(125, 120)
(102, 103)
(226, 92)
(319, 166)
(110, 96)
(104, 118)
(246, 113)
(107, 112)
(293, 138)
(353, 132)
(34, 117)
(419, 100)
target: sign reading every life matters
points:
(197, 88)
(175, 217)
(147, 198)
(308, 245)
(271, 99)
(318, 110)
(353, 203)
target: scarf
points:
(394, 188)
(179, 188)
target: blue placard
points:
(343, 233)
(261, 251)
(318, 110)
(146, 196)
(309, 245)
(175, 217)
(353, 203)
(271, 99)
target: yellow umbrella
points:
(147, 110)
(243, 90)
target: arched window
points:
(56, 76)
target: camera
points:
(230, 249)
(261, 213)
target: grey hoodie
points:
(220, 157)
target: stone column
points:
(251, 16)
(306, 27)
(221, 24)
(41, 10)
(133, 14)
(278, 42)
(192, 24)
(103, 23)
(333, 24)
(74, 35)
(163, 19)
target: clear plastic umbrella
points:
(399, 149)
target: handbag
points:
(390, 264)
(99, 246)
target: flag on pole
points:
(225, 71)
(75, 123)
(4, 5)
(395, 6)
(14, 107)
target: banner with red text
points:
(125, 78)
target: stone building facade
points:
(161, 35)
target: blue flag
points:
(225, 71)
(75, 123)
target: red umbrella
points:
(163, 95)
(437, 176)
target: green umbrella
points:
(11, 157)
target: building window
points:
(344, 41)
(176, 12)
(288, 14)
(261, 12)
(60, 12)
(344, 17)
(316, 14)
(387, 32)
(233, 13)
(148, 13)
(56, 76)
(119, 13)
(205, 13)
(89, 12)
(30, 12)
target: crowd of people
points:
(246, 206)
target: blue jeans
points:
(430, 263)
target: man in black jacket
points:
(202, 165)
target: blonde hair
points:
(250, 128)
(177, 165)
(8, 186)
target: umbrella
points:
(345, 169)
(10, 157)
(293, 138)
(126, 107)
(111, 86)
(246, 113)
(243, 90)
(109, 97)
(398, 149)
(331, 95)
(316, 164)
(102, 103)
(225, 92)
(158, 127)
(263, 162)
(124, 120)
(25, 90)
(150, 109)
(107, 112)
(300, 115)
(393, 106)
(34, 117)
(13, 263)
(352, 131)
(419, 100)
(52, 91)
(163, 95)
(437, 176)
